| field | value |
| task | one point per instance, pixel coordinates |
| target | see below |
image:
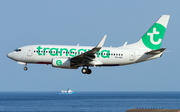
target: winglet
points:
(101, 43)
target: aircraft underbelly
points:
(42, 59)
(110, 61)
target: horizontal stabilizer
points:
(156, 51)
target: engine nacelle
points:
(63, 62)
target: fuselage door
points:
(132, 56)
(29, 51)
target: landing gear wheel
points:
(84, 70)
(88, 71)
(25, 68)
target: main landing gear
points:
(86, 70)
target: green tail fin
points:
(153, 38)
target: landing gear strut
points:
(86, 70)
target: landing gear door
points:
(29, 51)
(132, 56)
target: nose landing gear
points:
(25, 68)
(86, 70)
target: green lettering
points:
(45, 51)
(84, 50)
(98, 54)
(72, 52)
(54, 51)
(65, 50)
(106, 52)
(39, 50)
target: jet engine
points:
(63, 62)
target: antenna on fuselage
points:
(125, 43)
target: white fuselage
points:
(107, 56)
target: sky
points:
(72, 22)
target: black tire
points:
(25, 68)
(89, 71)
(84, 70)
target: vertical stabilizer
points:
(153, 38)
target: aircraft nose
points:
(10, 55)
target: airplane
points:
(73, 57)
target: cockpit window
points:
(17, 50)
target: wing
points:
(86, 57)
